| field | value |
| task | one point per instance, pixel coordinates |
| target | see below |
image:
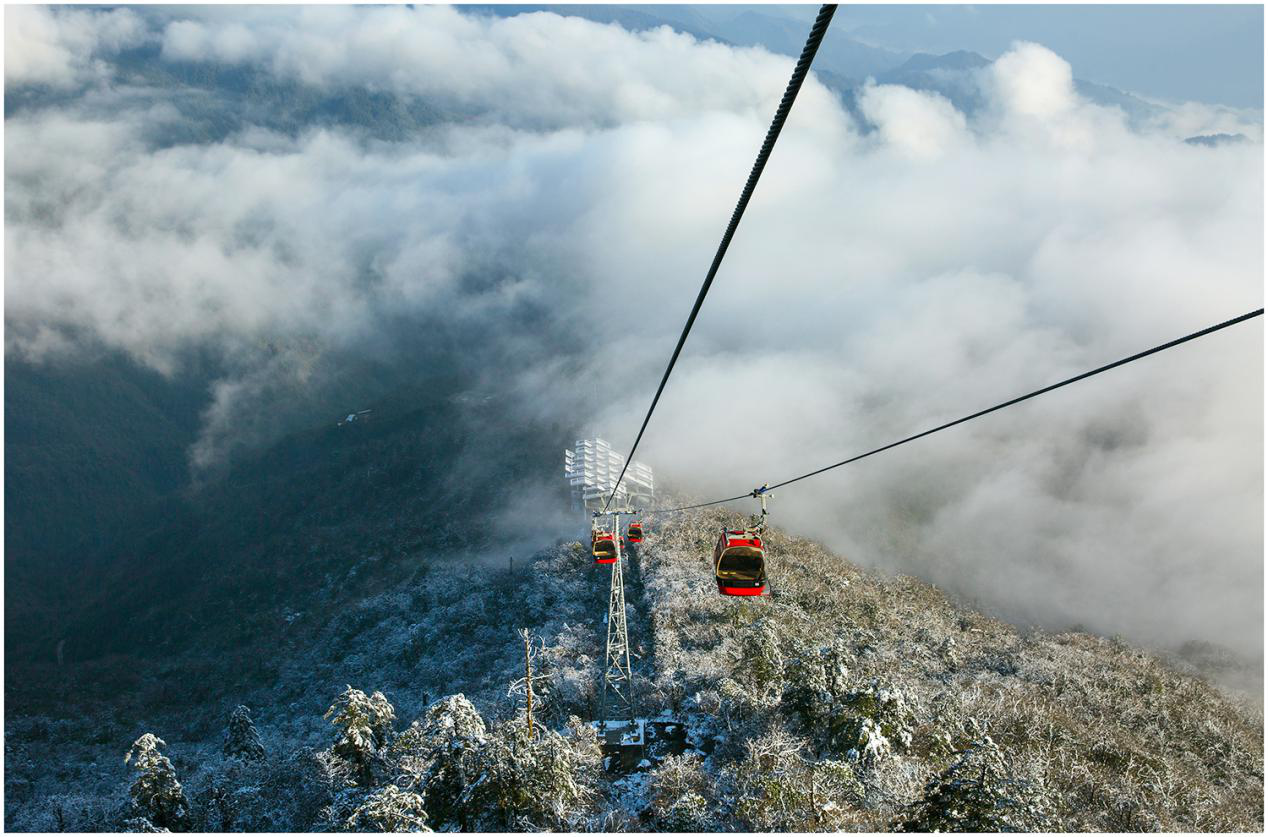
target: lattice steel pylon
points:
(618, 677)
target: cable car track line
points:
(1107, 367)
(777, 124)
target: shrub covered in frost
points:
(980, 791)
(679, 798)
(875, 721)
(761, 662)
(780, 789)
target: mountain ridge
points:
(878, 688)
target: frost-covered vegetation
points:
(843, 701)
(847, 700)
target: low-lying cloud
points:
(62, 48)
(892, 273)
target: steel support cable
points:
(1121, 362)
(777, 124)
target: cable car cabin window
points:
(740, 562)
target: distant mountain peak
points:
(1214, 140)
(961, 59)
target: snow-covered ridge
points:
(843, 701)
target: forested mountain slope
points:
(888, 676)
(91, 452)
(844, 700)
(215, 578)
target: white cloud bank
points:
(64, 48)
(888, 276)
(533, 69)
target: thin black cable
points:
(698, 505)
(777, 124)
(1195, 335)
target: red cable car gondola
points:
(603, 546)
(634, 534)
(739, 558)
(739, 563)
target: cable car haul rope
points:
(777, 124)
(757, 492)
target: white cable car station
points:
(592, 468)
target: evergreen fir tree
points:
(241, 739)
(542, 783)
(442, 756)
(365, 723)
(156, 794)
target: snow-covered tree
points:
(539, 783)
(770, 793)
(678, 798)
(365, 722)
(156, 794)
(979, 792)
(779, 789)
(441, 756)
(835, 793)
(535, 687)
(213, 808)
(761, 665)
(862, 722)
(876, 720)
(389, 809)
(807, 693)
(140, 825)
(569, 662)
(472, 777)
(241, 739)
(18, 768)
